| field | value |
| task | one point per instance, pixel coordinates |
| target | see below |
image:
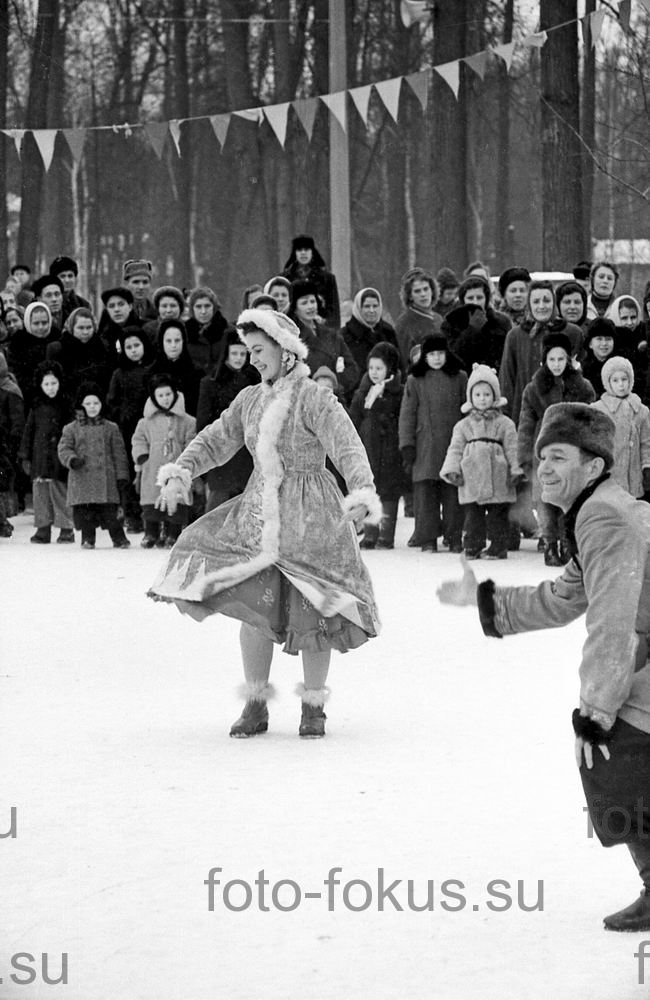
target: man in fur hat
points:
(66, 270)
(608, 579)
(137, 275)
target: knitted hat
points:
(134, 268)
(446, 279)
(582, 270)
(552, 340)
(120, 292)
(60, 264)
(513, 274)
(387, 353)
(325, 372)
(616, 364)
(600, 327)
(44, 281)
(581, 425)
(275, 325)
(482, 373)
(170, 292)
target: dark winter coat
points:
(543, 390)
(591, 369)
(71, 301)
(216, 393)
(183, 371)
(111, 334)
(522, 356)
(325, 347)
(411, 328)
(378, 428)
(361, 339)
(325, 283)
(45, 423)
(476, 345)
(12, 408)
(430, 410)
(89, 362)
(204, 342)
(25, 353)
(99, 442)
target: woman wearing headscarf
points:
(366, 328)
(28, 347)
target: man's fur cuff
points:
(486, 609)
(589, 730)
(173, 471)
(365, 495)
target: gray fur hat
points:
(581, 425)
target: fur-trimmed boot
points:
(254, 718)
(636, 916)
(312, 721)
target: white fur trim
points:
(173, 471)
(277, 326)
(367, 496)
(256, 691)
(272, 470)
(312, 696)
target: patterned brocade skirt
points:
(273, 605)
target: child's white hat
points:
(616, 364)
(482, 373)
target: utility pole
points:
(339, 153)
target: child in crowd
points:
(482, 462)
(375, 412)
(93, 451)
(599, 346)
(50, 412)
(556, 381)
(631, 468)
(173, 358)
(435, 391)
(127, 395)
(161, 435)
(216, 392)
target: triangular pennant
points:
(17, 134)
(389, 91)
(75, 138)
(450, 73)
(505, 51)
(45, 139)
(624, 10)
(477, 62)
(536, 40)
(419, 84)
(306, 113)
(220, 125)
(175, 131)
(596, 24)
(277, 115)
(250, 114)
(336, 104)
(361, 97)
(157, 133)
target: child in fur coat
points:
(482, 462)
(375, 414)
(632, 420)
(161, 435)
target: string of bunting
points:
(306, 109)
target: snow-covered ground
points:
(448, 757)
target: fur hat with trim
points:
(275, 325)
(616, 364)
(482, 373)
(44, 282)
(581, 425)
(63, 263)
(168, 292)
(600, 327)
(387, 353)
(513, 274)
(554, 340)
(136, 268)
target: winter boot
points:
(65, 535)
(370, 536)
(42, 536)
(161, 541)
(496, 551)
(636, 916)
(430, 546)
(133, 525)
(254, 718)
(312, 722)
(150, 534)
(552, 554)
(386, 538)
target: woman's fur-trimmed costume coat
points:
(290, 513)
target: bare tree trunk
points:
(561, 150)
(183, 271)
(36, 117)
(449, 208)
(502, 221)
(280, 229)
(588, 132)
(4, 219)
